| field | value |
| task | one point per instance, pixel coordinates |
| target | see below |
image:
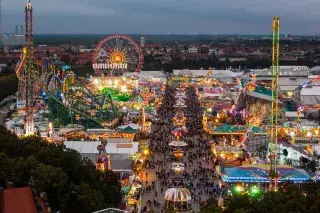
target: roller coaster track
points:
(56, 77)
(51, 96)
(86, 103)
(19, 68)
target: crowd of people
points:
(198, 175)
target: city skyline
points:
(163, 16)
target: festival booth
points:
(179, 119)
(259, 173)
(209, 94)
(226, 129)
(177, 199)
(178, 167)
(178, 154)
(180, 131)
(228, 155)
(133, 194)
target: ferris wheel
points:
(117, 54)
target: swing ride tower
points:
(274, 108)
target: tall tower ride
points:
(275, 101)
(29, 72)
(1, 36)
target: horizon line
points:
(172, 34)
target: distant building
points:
(85, 50)
(17, 39)
(13, 40)
(193, 50)
(142, 41)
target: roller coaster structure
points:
(70, 100)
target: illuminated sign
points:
(114, 66)
(213, 90)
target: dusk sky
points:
(164, 16)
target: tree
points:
(8, 85)
(212, 208)
(50, 180)
(57, 171)
(289, 198)
(83, 199)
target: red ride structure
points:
(29, 76)
(29, 72)
(117, 54)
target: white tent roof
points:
(90, 147)
(198, 73)
(83, 147)
(154, 74)
(315, 90)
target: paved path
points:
(160, 196)
(198, 177)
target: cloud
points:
(163, 16)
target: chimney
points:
(16, 30)
(21, 29)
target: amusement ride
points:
(98, 101)
(31, 73)
(104, 101)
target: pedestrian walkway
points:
(198, 176)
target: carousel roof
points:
(177, 195)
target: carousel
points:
(178, 199)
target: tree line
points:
(289, 198)
(71, 183)
(8, 85)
